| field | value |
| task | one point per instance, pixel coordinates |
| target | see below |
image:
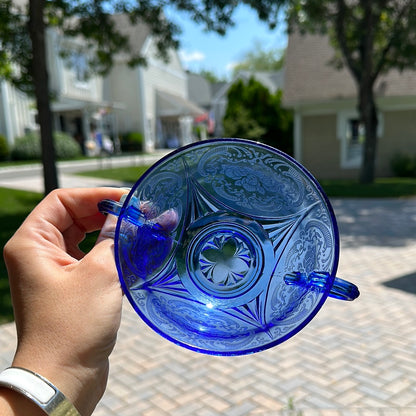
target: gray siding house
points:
(328, 138)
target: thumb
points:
(108, 229)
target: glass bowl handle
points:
(341, 289)
(108, 206)
(132, 214)
(148, 243)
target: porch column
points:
(297, 136)
(185, 125)
(85, 124)
(8, 127)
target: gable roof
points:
(310, 78)
(137, 33)
(199, 89)
(172, 105)
(272, 80)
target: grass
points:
(381, 188)
(125, 174)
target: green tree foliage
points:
(254, 113)
(211, 76)
(259, 59)
(370, 38)
(23, 47)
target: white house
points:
(77, 102)
(152, 100)
(155, 96)
(78, 106)
(17, 113)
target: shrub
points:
(28, 147)
(132, 142)
(66, 147)
(404, 165)
(4, 148)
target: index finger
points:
(63, 208)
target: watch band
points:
(39, 390)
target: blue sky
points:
(210, 51)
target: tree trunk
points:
(367, 105)
(368, 115)
(41, 84)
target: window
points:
(354, 143)
(80, 66)
(351, 133)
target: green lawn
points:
(381, 188)
(126, 174)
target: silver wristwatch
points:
(39, 390)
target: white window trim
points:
(297, 137)
(343, 118)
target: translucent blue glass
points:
(227, 247)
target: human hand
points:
(67, 305)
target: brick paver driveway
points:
(354, 359)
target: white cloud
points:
(230, 66)
(195, 56)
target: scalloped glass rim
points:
(270, 344)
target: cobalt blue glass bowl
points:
(227, 247)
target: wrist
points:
(79, 385)
(38, 390)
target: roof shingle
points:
(309, 77)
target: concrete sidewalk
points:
(35, 183)
(30, 177)
(354, 358)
